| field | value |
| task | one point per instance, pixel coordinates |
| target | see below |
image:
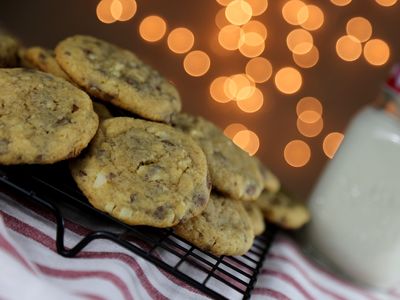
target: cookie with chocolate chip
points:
(256, 217)
(223, 228)
(271, 182)
(233, 171)
(43, 60)
(8, 50)
(282, 210)
(143, 173)
(43, 118)
(116, 75)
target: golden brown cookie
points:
(116, 75)
(223, 228)
(43, 118)
(256, 217)
(233, 171)
(282, 210)
(143, 173)
(271, 182)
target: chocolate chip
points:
(160, 212)
(133, 197)
(169, 143)
(63, 121)
(4, 146)
(74, 108)
(200, 200)
(82, 173)
(87, 51)
(42, 56)
(111, 175)
(251, 189)
(67, 53)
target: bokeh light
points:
(307, 60)
(253, 103)
(247, 140)
(376, 52)
(348, 48)
(253, 45)
(220, 19)
(308, 104)
(341, 2)
(256, 26)
(315, 17)
(230, 37)
(180, 40)
(239, 87)
(295, 12)
(297, 153)
(310, 129)
(129, 8)
(116, 9)
(238, 12)
(299, 41)
(360, 28)
(231, 130)
(217, 90)
(331, 143)
(309, 116)
(386, 2)
(258, 6)
(152, 28)
(103, 11)
(259, 69)
(196, 63)
(288, 80)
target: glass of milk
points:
(355, 205)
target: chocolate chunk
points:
(160, 212)
(74, 108)
(4, 146)
(251, 189)
(63, 121)
(133, 197)
(82, 173)
(88, 52)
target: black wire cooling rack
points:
(53, 188)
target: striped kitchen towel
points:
(31, 269)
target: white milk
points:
(355, 206)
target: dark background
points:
(342, 87)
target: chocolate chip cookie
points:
(233, 171)
(223, 228)
(116, 75)
(282, 210)
(256, 217)
(43, 118)
(143, 173)
(8, 50)
(271, 182)
(43, 60)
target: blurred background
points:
(282, 78)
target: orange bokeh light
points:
(123, 10)
(309, 116)
(258, 6)
(231, 130)
(257, 27)
(308, 104)
(360, 28)
(230, 37)
(116, 9)
(253, 103)
(288, 80)
(386, 2)
(239, 87)
(297, 153)
(315, 17)
(247, 140)
(103, 11)
(310, 129)
(253, 44)
(217, 90)
(238, 12)
(341, 2)
(295, 12)
(331, 143)
(376, 52)
(196, 63)
(152, 28)
(299, 41)
(180, 40)
(307, 60)
(348, 48)
(259, 69)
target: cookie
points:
(233, 171)
(102, 111)
(143, 173)
(43, 60)
(43, 118)
(8, 50)
(282, 210)
(256, 217)
(23, 62)
(223, 228)
(271, 182)
(116, 75)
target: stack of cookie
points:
(159, 167)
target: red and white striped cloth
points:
(31, 269)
